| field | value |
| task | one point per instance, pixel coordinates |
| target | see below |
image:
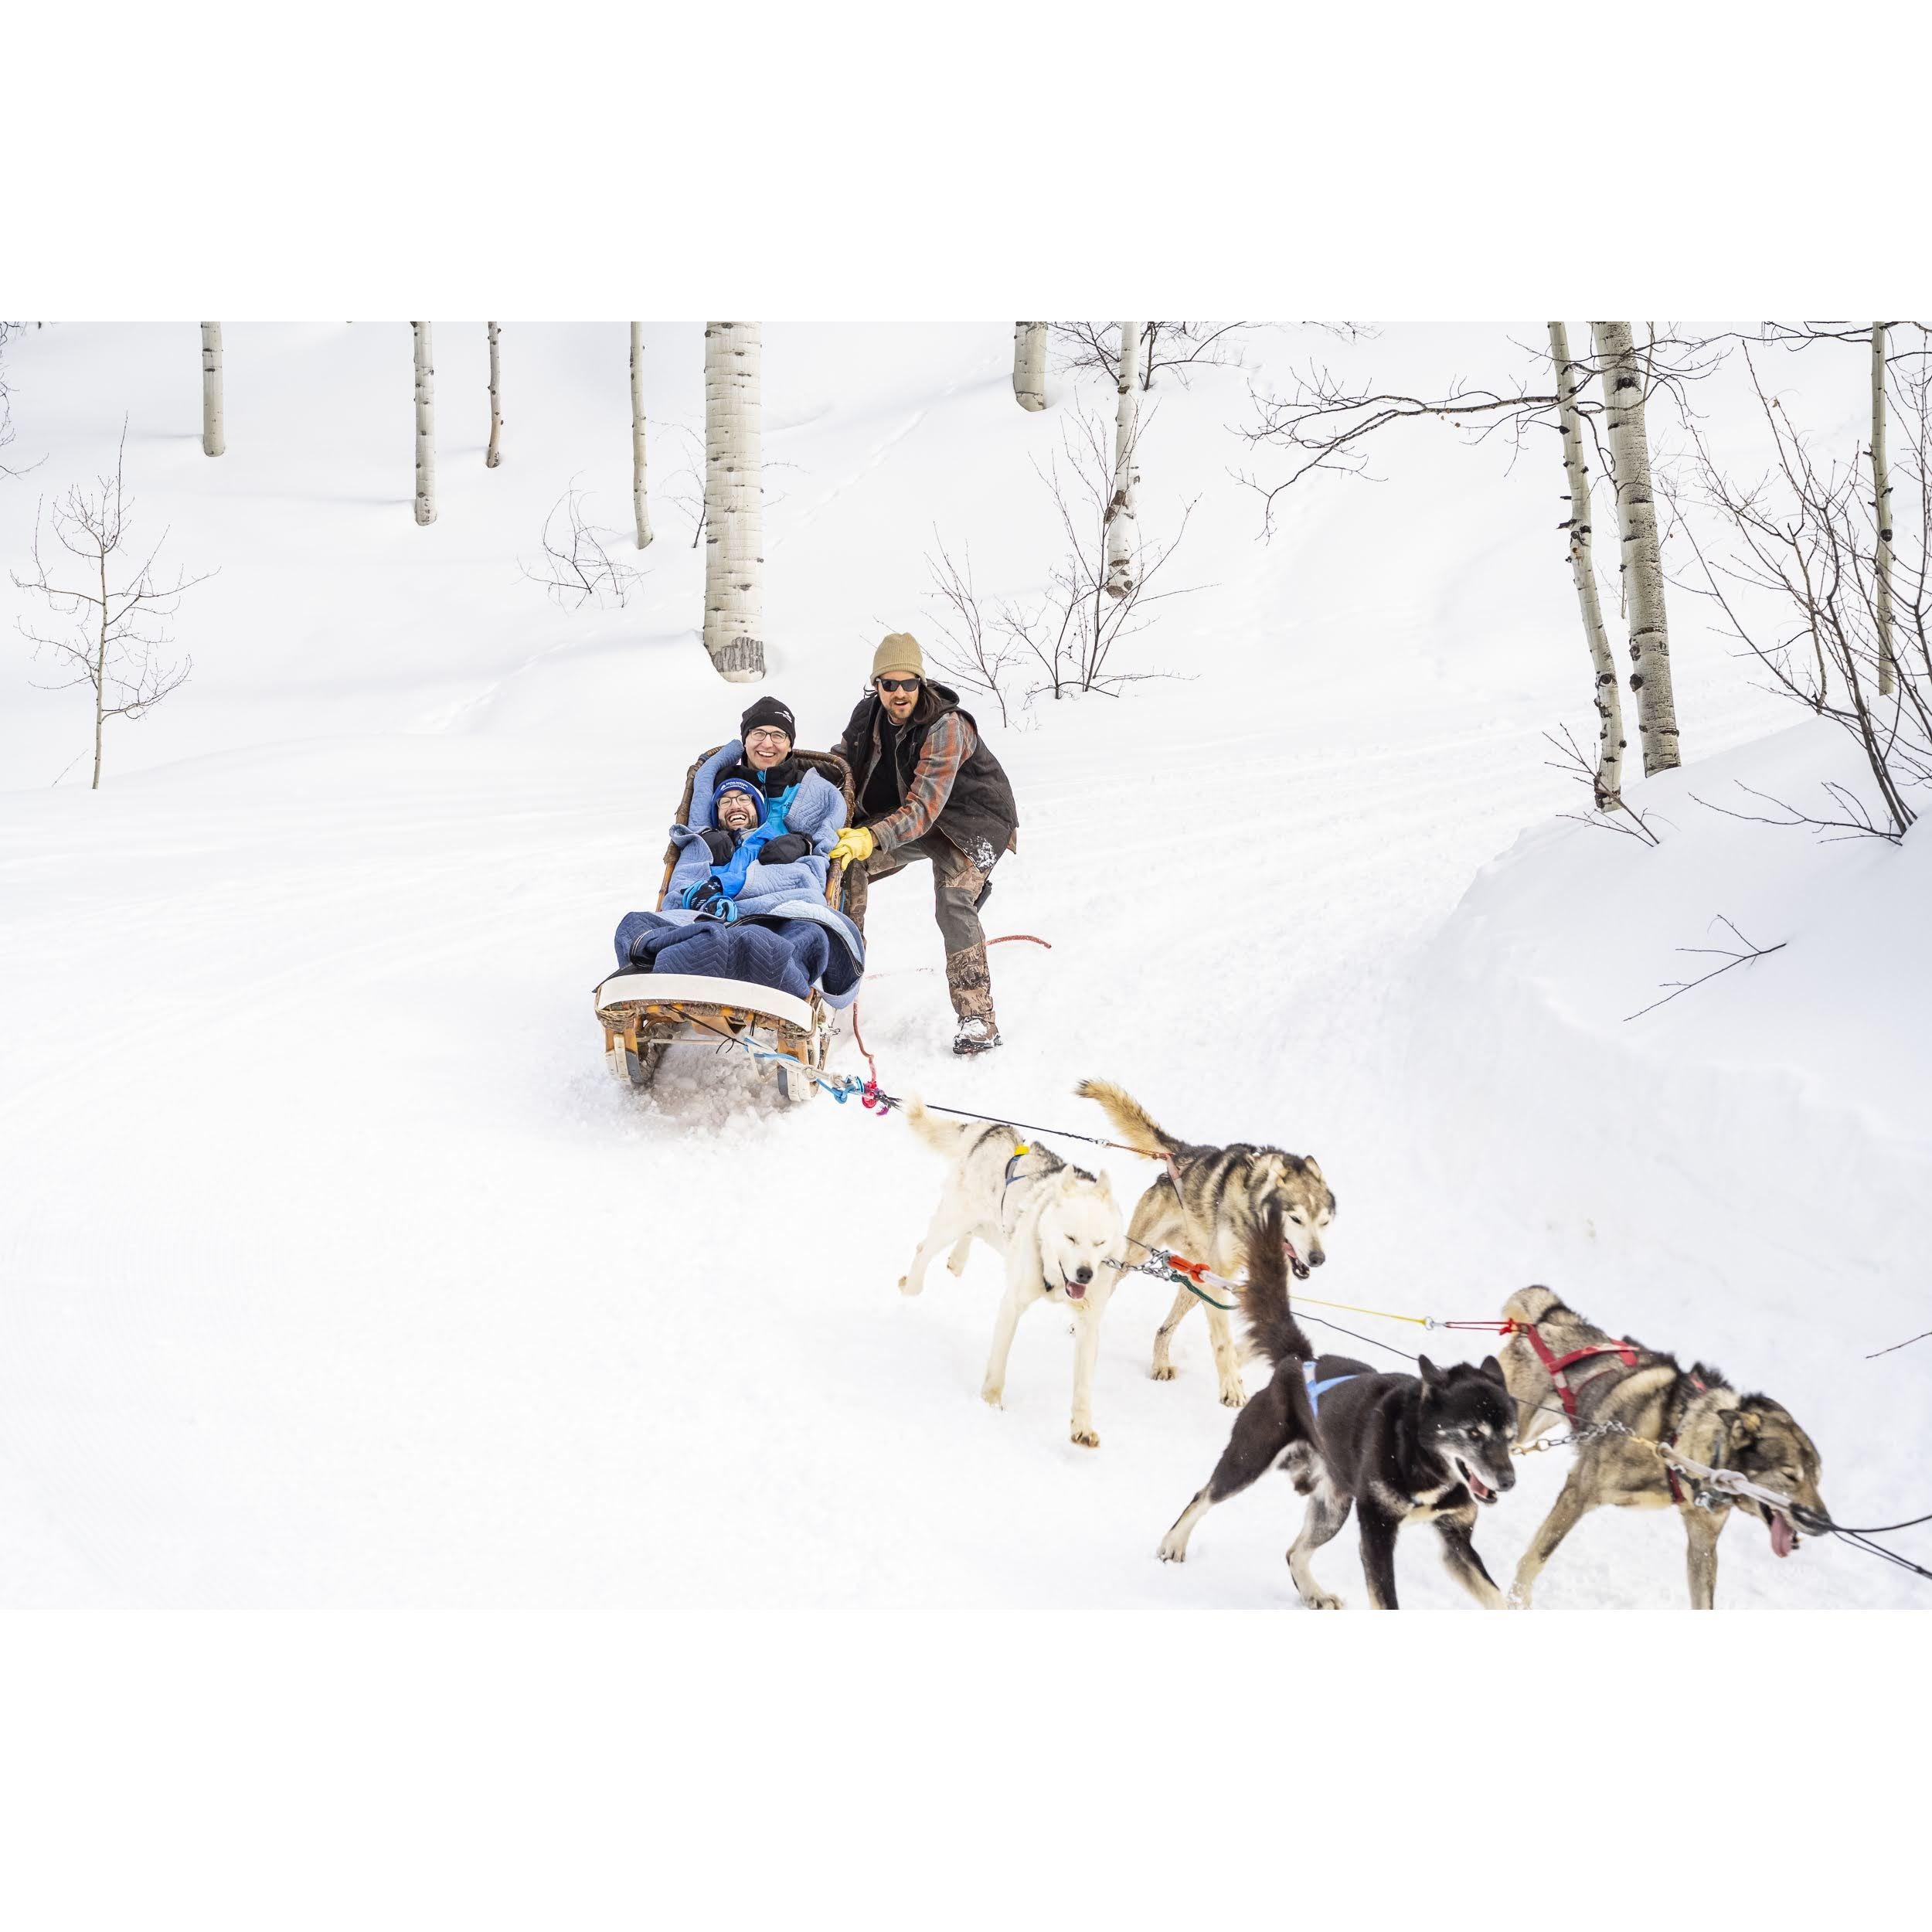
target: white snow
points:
(335, 1269)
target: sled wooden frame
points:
(644, 1015)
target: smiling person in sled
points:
(746, 898)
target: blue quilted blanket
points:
(790, 954)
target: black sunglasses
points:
(896, 685)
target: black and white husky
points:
(1395, 1449)
(1057, 1226)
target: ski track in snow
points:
(341, 1273)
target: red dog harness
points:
(1558, 1364)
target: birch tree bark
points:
(214, 437)
(494, 454)
(1029, 364)
(640, 508)
(1882, 510)
(425, 426)
(1120, 520)
(1610, 709)
(1642, 568)
(734, 521)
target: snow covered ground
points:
(336, 1270)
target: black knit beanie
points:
(769, 712)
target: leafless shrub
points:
(8, 331)
(1068, 639)
(576, 567)
(1611, 812)
(117, 612)
(1794, 572)
(974, 652)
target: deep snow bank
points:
(1765, 1134)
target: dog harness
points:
(1557, 1364)
(1318, 1389)
(1670, 1442)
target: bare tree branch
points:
(1729, 957)
(1179, 346)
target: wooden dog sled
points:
(645, 1014)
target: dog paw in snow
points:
(1321, 1599)
(993, 1398)
(1087, 1438)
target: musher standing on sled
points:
(927, 787)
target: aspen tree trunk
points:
(1120, 523)
(214, 438)
(494, 454)
(425, 426)
(1610, 710)
(1029, 364)
(1642, 565)
(640, 509)
(100, 674)
(734, 521)
(1882, 508)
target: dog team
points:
(1432, 1447)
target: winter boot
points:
(975, 1036)
(971, 989)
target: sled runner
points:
(645, 1014)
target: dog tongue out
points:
(1475, 1484)
(1783, 1541)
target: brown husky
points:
(1648, 1395)
(1209, 1206)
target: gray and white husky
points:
(1057, 1226)
(1208, 1205)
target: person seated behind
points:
(784, 857)
(767, 732)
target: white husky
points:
(1057, 1226)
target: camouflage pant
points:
(959, 888)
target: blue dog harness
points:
(1318, 1389)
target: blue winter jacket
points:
(816, 809)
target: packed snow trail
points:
(339, 1271)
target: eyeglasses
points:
(763, 736)
(896, 685)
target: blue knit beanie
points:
(749, 787)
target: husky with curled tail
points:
(1430, 1447)
(1057, 1227)
(1209, 1206)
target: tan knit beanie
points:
(899, 652)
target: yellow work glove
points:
(854, 848)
